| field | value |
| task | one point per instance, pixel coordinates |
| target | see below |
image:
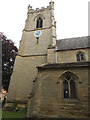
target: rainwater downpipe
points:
(56, 54)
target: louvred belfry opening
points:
(39, 23)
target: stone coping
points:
(64, 65)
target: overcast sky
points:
(71, 17)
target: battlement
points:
(30, 10)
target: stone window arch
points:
(80, 56)
(69, 81)
(39, 23)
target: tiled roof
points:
(73, 43)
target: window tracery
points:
(69, 87)
(39, 23)
(80, 56)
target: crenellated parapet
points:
(31, 10)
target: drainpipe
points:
(56, 54)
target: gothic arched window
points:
(80, 56)
(69, 87)
(39, 23)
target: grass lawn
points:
(13, 114)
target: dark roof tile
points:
(73, 43)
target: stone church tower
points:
(39, 34)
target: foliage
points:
(9, 52)
(20, 107)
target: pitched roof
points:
(73, 43)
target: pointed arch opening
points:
(69, 85)
(80, 56)
(39, 23)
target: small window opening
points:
(80, 56)
(39, 23)
(66, 91)
(72, 89)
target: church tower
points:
(38, 34)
